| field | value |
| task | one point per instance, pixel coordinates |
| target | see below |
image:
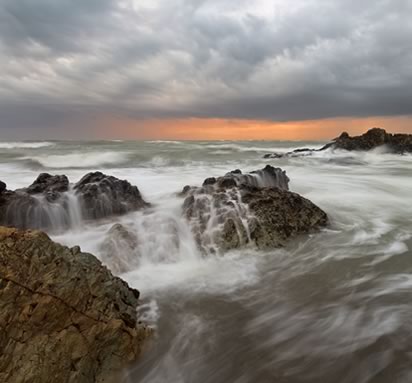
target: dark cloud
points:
(267, 59)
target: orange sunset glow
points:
(234, 129)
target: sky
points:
(197, 69)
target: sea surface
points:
(332, 307)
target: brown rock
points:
(63, 316)
(249, 209)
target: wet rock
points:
(104, 196)
(254, 209)
(49, 203)
(46, 183)
(63, 316)
(294, 153)
(268, 176)
(3, 187)
(372, 139)
(22, 210)
(49, 186)
(119, 249)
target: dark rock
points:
(269, 176)
(372, 139)
(22, 210)
(46, 182)
(208, 181)
(48, 204)
(3, 187)
(63, 316)
(50, 186)
(104, 196)
(249, 209)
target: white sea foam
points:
(25, 145)
(79, 159)
(307, 310)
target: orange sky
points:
(222, 129)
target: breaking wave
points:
(79, 160)
(25, 145)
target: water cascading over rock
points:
(256, 209)
(51, 203)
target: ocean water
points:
(332, 307)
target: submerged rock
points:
(49, 203)
(63, 316)
(119, 249)
(249, 209)
(104, 196)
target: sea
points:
(330, 307)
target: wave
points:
(165, 142)
(25, 145)
(79, 160)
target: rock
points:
(280, 215)
(372, 139)
(294, 153)
(254, 209)
(50, 186)
(269, 176)
(22, 210)
(48, 203)
(119, 249)
(104, 196)
(63, 316)
(3, 187)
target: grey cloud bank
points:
(65, 61)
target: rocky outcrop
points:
(48, 185)
(372, 139)
(266, 177)
(119, 249)
(255, 209)
(50, 202)
(103, 196)
(63, 316)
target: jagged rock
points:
(119, 249)
(266, 177)
(252, 209)
(3, 187)
(50, 186)
(63, 316)
(48, 203)
(373, 138)
(104, 196)
(23, 210)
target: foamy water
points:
(330, 307)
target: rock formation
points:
(49, 203)
(63, 316)
(372, 139)
(248, 209)
(103, 196)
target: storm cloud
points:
(64, 60)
